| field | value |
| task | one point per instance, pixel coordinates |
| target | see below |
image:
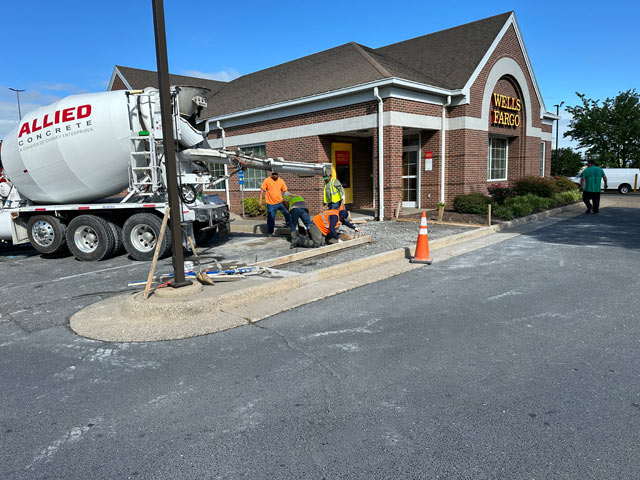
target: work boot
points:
(294, 239)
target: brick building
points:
(458, 109)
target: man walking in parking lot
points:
(590, 183)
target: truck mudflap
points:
(19, 233)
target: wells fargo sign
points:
(505, 110)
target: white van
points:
(621, 179)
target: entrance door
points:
(410, 177)
(341, 158)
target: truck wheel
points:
(90, 238)
(624, 189)
(140, 233)
(47, 233)
(117, 237)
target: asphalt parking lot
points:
(39, 292)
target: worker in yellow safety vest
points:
(333, 193)
(324, 229)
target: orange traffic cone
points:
(422, 246)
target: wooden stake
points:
(440, 213)
(159, 241)
(489, 215)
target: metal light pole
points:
(17, 90)
(557, 133)
(169, 146)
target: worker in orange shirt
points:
(272, 188)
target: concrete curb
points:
(128, 318)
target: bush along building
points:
(458, 110)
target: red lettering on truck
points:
(67, 114)
(60, 116)
(83, 111)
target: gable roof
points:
(333, 69)
(444, 59)
(449, 56)
(138, 79)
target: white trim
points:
(417, 149)
(543, 158)
(386, 82)
(506, 164)
(546, 136)
(116, 72)
(508, 66)
(323, 128)
(511, 21)
(400, 119)
(411, 120)
(469, 123)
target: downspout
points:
(443, 146)
(226, 172)
(380, 154)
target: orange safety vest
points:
(322, 221)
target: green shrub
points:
(252, 209)
(565, 198)
(502, 212)
(563, 184)
(471, 203)
(539, 186)
(521, 206)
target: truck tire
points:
(140, 233)
(47, 234)
(90, 238)
(624, 188)
(117, 237)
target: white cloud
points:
(224, 75)
(58, 87)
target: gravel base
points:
(384, 236)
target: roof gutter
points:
(380, 154)
(443, 146)
(386, 82)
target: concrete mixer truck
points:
(88, 174)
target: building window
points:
(252, 176)
(217, 170)
(497, 159)
(542, 159)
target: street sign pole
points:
(241, 182)
(169, 146)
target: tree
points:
(609, 132)
(566, 162)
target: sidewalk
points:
(196, 310)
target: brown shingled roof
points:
(140, 79)
(449, 56)
(444, 59)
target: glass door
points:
(410, 177)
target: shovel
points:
(202, 277)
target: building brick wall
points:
(118, 84)
(466, 150)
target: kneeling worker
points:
(297, 208)
(324, 229)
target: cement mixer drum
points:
(75, 150)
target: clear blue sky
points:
(53, 49)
